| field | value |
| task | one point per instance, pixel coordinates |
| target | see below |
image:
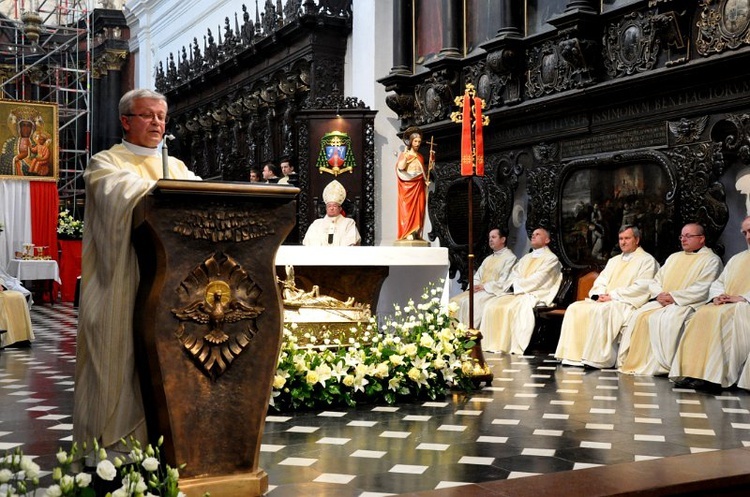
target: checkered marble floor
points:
(537, 417)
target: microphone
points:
(165, 155)
(331, 229)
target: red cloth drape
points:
(45, 204)
(478, 138)
(70, 268)
(467, 159)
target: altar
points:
(379, 276)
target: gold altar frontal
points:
(314, 329)
(318, 319)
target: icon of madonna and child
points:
(28, 148)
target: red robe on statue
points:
(412, 192)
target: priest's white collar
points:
(138, 150)
(628, 255)
(498, 252)
(537, 252)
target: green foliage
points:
(420, 352)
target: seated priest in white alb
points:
(591, 327)
(508, 321)
(490, 280)
(716, 342)
(333, 229)
(14, 314)
(650, 337)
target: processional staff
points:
(472, 164)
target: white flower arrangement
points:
(142, 474)
(68, 226)
(420, 352)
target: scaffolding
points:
(45, 52)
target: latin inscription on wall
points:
(642, 137)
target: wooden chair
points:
(549, 318)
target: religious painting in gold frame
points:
(30, 141)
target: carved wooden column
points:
(108, 90)
(403, 48)
(583, 5)
(505, 53)
(511, 19)
(452, 29)
(208, 325)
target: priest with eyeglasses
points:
(107, 400)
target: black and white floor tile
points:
(537, 417)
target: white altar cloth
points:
(34, 269)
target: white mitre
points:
(743, 186)
(334, 192)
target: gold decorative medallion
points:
(218, 320)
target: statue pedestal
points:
(208, 325)
(411, 243)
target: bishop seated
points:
(333, 229)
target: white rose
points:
(278, 382)
(106, 471)
(150, 464)
(29, 467)
(141, 486)
(5, 475)
(120, 492)
(312, 378)
(83, 480)
(53, 491)
(62, 456)
(67, 483)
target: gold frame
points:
(29, 160)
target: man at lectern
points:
(107, 402)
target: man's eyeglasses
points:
(150, 116)
(686, 237)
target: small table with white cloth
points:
(36, 269)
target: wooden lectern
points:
(208, 325)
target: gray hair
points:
(126, 102)
(636, 231)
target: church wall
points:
(162, 27)
(648, 84)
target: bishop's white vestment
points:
(590, 329)
(716, 342)
(107, 401)
(493, 275)
(340, 230)
(508, 321)
(650, 337)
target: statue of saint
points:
(413, 178)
